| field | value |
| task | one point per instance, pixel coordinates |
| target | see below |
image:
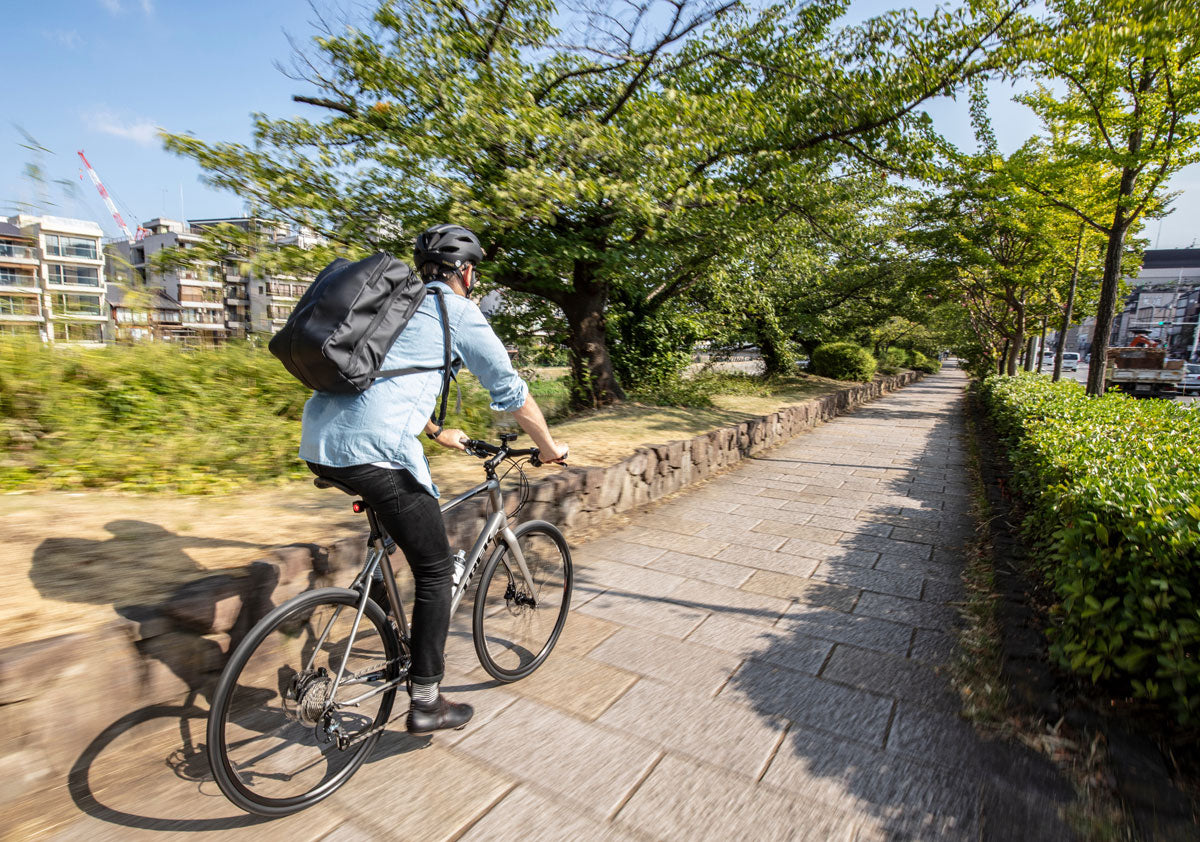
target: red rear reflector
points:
(359, 507)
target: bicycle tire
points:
(499, 618)
(296, 613)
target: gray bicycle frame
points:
(378, 559)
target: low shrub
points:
(1112, 494)
(158, 417)
(920, 362)
(894, 358)
(842, 361)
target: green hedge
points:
(920, 362)
(895, 358)
(157, 417)
(1112, 491)
(842, 361)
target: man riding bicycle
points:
(369, 442)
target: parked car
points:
(1191, 379)
(1070, 361)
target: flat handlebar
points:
(483, 449)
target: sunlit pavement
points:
(764, 657)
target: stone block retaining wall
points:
(57, 695)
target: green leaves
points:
(1109, 486)
(643, 151)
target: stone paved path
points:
(759, 658)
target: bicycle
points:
(277, 723)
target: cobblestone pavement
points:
(760, 658)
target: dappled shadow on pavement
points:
(878, 726)
(854, 667)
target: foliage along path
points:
(766, 653)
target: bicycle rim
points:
(513, 634)
(273, 740)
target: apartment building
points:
(20, 284)
(71, 284)
(197, 309)
(258, 304)
(1163, 304)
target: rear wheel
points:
(515, 628)
(275, 744)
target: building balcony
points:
(11, 255)
(80, 317)
(206, 326)
(87, 289)
(237, 302)
(30, 286)
(202, 305)
(201, 282)
(74, 260)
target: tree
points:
(633, 158)
(1131, 70)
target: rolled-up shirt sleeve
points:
(477, 345)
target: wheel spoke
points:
(276, 747)
(516, 629)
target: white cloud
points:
(115, 7)
(141, 130)
(68, 38)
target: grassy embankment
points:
(157, 418)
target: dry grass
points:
(68, 559)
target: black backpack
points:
(343, 326)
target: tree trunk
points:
(593, 383)
(777, 357)
(1018, 342)
(1002, 363)
(1066, 322)
(1108, 303)
(1030, 350)
(1041, 351)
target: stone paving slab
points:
(761, 657)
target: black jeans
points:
(412, 517)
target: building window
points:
(15, 250)
(16, 278)
(77, 305)
(9, 329)
(77, 332)
(83, 275)
(64, 246)
(13, 305)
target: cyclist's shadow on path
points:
(166, 778)
(143, 557)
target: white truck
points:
(1143, 372)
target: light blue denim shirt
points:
(383, 423)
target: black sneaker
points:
(442, 714)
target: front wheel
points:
(276, 743)
(515, 628)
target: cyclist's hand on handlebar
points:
(453, 439)
(558, 458)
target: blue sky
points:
(100, 75)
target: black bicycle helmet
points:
(448, 245)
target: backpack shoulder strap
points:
(438, 417)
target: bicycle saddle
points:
(326, 482)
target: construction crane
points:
(108, 202)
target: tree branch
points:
(348, 110)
